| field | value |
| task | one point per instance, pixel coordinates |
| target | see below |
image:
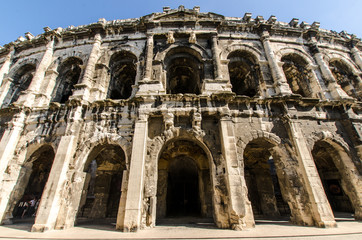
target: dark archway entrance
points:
(183, 198)
(102, 188)
(184, 185)
(69, 73)
(244, 73)
(184, 71)
(33, 177)
(123, 74)
(264, 190)
(324, 156)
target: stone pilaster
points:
(237, 207)
(149, 58)
(6, 66)
(280, 83)
(50, 203)
(320, 208)
(50, 80)
(82, 90)
(147, 85)
(333, 87)
(356, 56)
(134, 202)
(216, 56)
(6, 84)
(34, 88)
(8, 144)
(220, 83)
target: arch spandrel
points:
(335, 56)
(197, 51)
(256, 53)
(301, 53)
(86, 148)
(18, 65)
(61, 56)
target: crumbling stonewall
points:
(181, 113)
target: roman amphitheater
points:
(181, 113)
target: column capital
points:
(98, 37)
(150, 35)
(265, 36)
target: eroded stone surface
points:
(181, 113)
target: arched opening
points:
(325, 156)
(102, 187)
(344, 77)
(69, 74)
(21, 81)
(184, 186)
(297, 74)
(33, 177)
(184, 71)
(123, 74)
(244, 73)
(261, 176)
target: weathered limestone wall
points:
(251, 118)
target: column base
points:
(327, 224)
(40, 228)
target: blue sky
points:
(21, 16)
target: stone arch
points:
(86, 147)
(297, 73)
(339, 175)
(106, 56)
(330, 56)
(287, 51)
(256, 53)
(103, 172)
(184, 68)
(69, 74)
(62, 56)
(78, 178)
(177, 159)
(21, 77)
(123, 71)
(261, 176)
(154, 151)
(244, 72)
(291, 186)
(199, 52)
(346, 74)
(255, 134)
(32, 178)
(27, 61)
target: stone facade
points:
(182, 113)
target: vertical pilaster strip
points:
(282, 86)
(356, 56)
(34, 87)
(334, 88)
(321, 210)
(134, 202)
(235, 183)
(149, 58)
(216, 55)
(50, 203)
(82, 91)
(7, 148)
(6, 66)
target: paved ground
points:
(347, 229)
